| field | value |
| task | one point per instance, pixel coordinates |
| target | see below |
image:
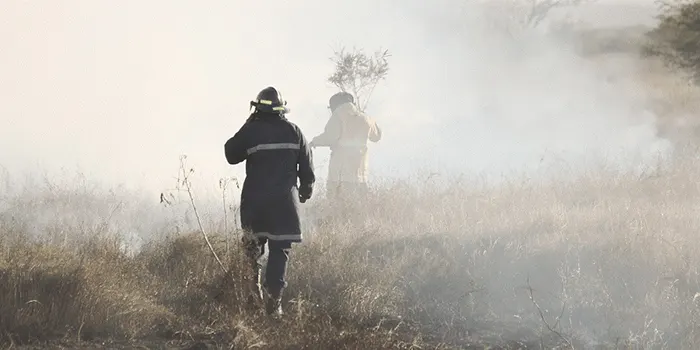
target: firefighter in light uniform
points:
(276, 154)
(346, 134)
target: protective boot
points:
(273, 306)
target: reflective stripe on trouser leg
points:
(276, 270)
(272, 237)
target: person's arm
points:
(375, 133)
(307, 178)
(330, 134)
(235, 148)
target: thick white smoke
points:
(493, 101)
(121, 89)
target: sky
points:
(119, 90)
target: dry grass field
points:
(605, 260)
(601, 260)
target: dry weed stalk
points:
(544, 320)
(223, 185)
(184, 180)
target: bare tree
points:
(359, 73)
(514, 16)
(539, 9)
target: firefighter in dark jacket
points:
(276, 154)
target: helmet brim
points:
(269, 108)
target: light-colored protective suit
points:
(346, 134)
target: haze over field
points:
(121, 89)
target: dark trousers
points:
(276, 269)
(346, 190)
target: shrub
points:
(677, 37)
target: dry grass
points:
(605, 260)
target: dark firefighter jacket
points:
(276, 154)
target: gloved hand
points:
(305, 193)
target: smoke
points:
(491, 98)
(120, 89)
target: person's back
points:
(347, 134)
(272, 145)
(357, 128)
